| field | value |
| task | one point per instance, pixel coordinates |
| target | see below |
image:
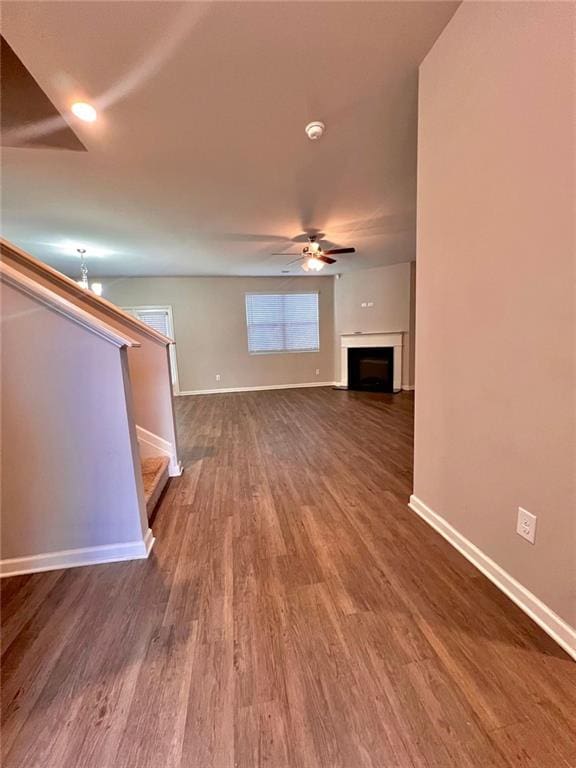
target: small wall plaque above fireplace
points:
(371, 369)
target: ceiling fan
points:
(314, 257)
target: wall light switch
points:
(370, 303)
(363, 304)
(526, 525)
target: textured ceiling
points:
(199, 163)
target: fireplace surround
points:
(370, 340)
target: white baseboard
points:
(273, 386)
(72, 558)
(152, 445)
(149, 541)
(408, 387)
(550, 622)
(254, 389)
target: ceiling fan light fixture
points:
(313, 256)
(315, 264)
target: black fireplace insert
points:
(371, 369)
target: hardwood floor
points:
(294, 613)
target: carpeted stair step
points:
(155, 477)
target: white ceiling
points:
(199, 160)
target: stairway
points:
(154, 477)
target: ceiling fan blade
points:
(325, 259)
(294, 260)
(336, 251)
(284, 253)
(244, 237)
(327, 245)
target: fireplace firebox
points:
(371, 369)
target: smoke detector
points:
(314, 130)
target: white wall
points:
(210, 329)
(389, 290)
(69, 479)
(495, 367)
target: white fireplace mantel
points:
(356, 340)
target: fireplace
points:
(371, 369)
(368, 342)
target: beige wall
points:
(70, 470)
(412, 332)
(389, 288)
(495, 370)
(210, 329)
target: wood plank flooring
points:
(294, 613)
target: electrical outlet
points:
(526, 525)
(217, 377)
(317, 371)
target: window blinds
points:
(155, 318)
(282, 322)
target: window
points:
(282, 322)
(159, 318)
(156, 318)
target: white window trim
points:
(172, 347)
(282, 351)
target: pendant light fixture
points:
(83, 282)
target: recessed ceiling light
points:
(84, 111)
